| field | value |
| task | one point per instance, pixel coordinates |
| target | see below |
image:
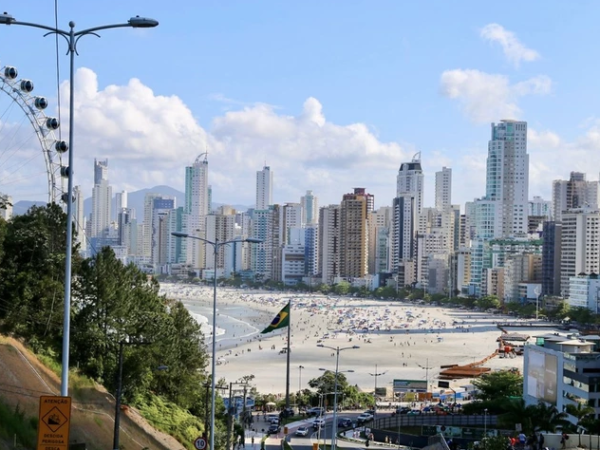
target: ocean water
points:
(231, 326)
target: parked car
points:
(364, 418)
(288, 412)
(344, 422)
(319, 422)
(274, 429)
(273, 419)
(302, 431)
(413, 412)
(316, 411)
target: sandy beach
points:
(398, 338)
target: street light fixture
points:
(335, 389)
(72, 37)
(375, 391)
(216, 244)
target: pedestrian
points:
(252, 441)
(540, 441)
(563, 439)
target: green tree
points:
(488, 302)
(325, 385)
(342, 288)
(499, 385)
(548, 418)
(515, 412)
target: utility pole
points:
(375, 391)
(426, 367)
(229, 410)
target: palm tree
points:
(547, 418)
(516, 411)
(580, 412)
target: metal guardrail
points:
(409, 420)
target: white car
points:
(302, 431)
(364, 417)
(319, 422)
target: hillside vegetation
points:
(111, 304)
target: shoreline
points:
(404, 340)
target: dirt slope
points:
(23, 379)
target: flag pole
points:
(287, 370)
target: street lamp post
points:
(72, 37)
(375, 391)
(335, 389)
(216, 244)
(426, 367)
(485, 411)
(300, 378)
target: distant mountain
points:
(135, 200)
(22, 206)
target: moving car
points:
(302, 431)
(344, 422)
(273, 429)
(319, 422)
(316, 411)
(364, 417)
(402, 410)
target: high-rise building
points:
(196, 206)
(573, 193)
(541, 208)
(503, 212)
(354, 232)
(264, 188)
(580, 244)
(145, 256)
(7, 207)
(551, 249)
(406, 208)
(310, 208)
(266, 256)
(79, 217)
(221, 225)
(292, 218)
(161, 234)
(380, 240)
(443, 188)
(311, 249)
(101, 200)
(329, 243)
(120, 203)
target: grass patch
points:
(292, 419)
(171, 419)
(14, 422)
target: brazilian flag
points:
(281, 320)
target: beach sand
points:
(399, 340)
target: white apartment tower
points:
(410, 181)
(196, 206)
(264, 188)
(580, 244)
(310, 208)
(101, 199)
(443, 188)
(78, 216)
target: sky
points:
(331, 95)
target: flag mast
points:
(287, 369)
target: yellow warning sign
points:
(54, 423)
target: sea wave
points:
(206, 327)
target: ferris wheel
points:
(25, 132)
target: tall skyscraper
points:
(354, 233)
(573, 193)
(101, 200)
(410, 181)
(310, 208)
(503, 212)
(443, 188)
(161, 207)
(329, 243)
(120, 203)
(196, 205)
(264, 188)
(292, 218)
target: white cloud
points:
(149, 139)
(513, 49)
(486, 97)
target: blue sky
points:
(331, 94)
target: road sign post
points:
(54, 423)
(200, 443)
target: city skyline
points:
(311, 133)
